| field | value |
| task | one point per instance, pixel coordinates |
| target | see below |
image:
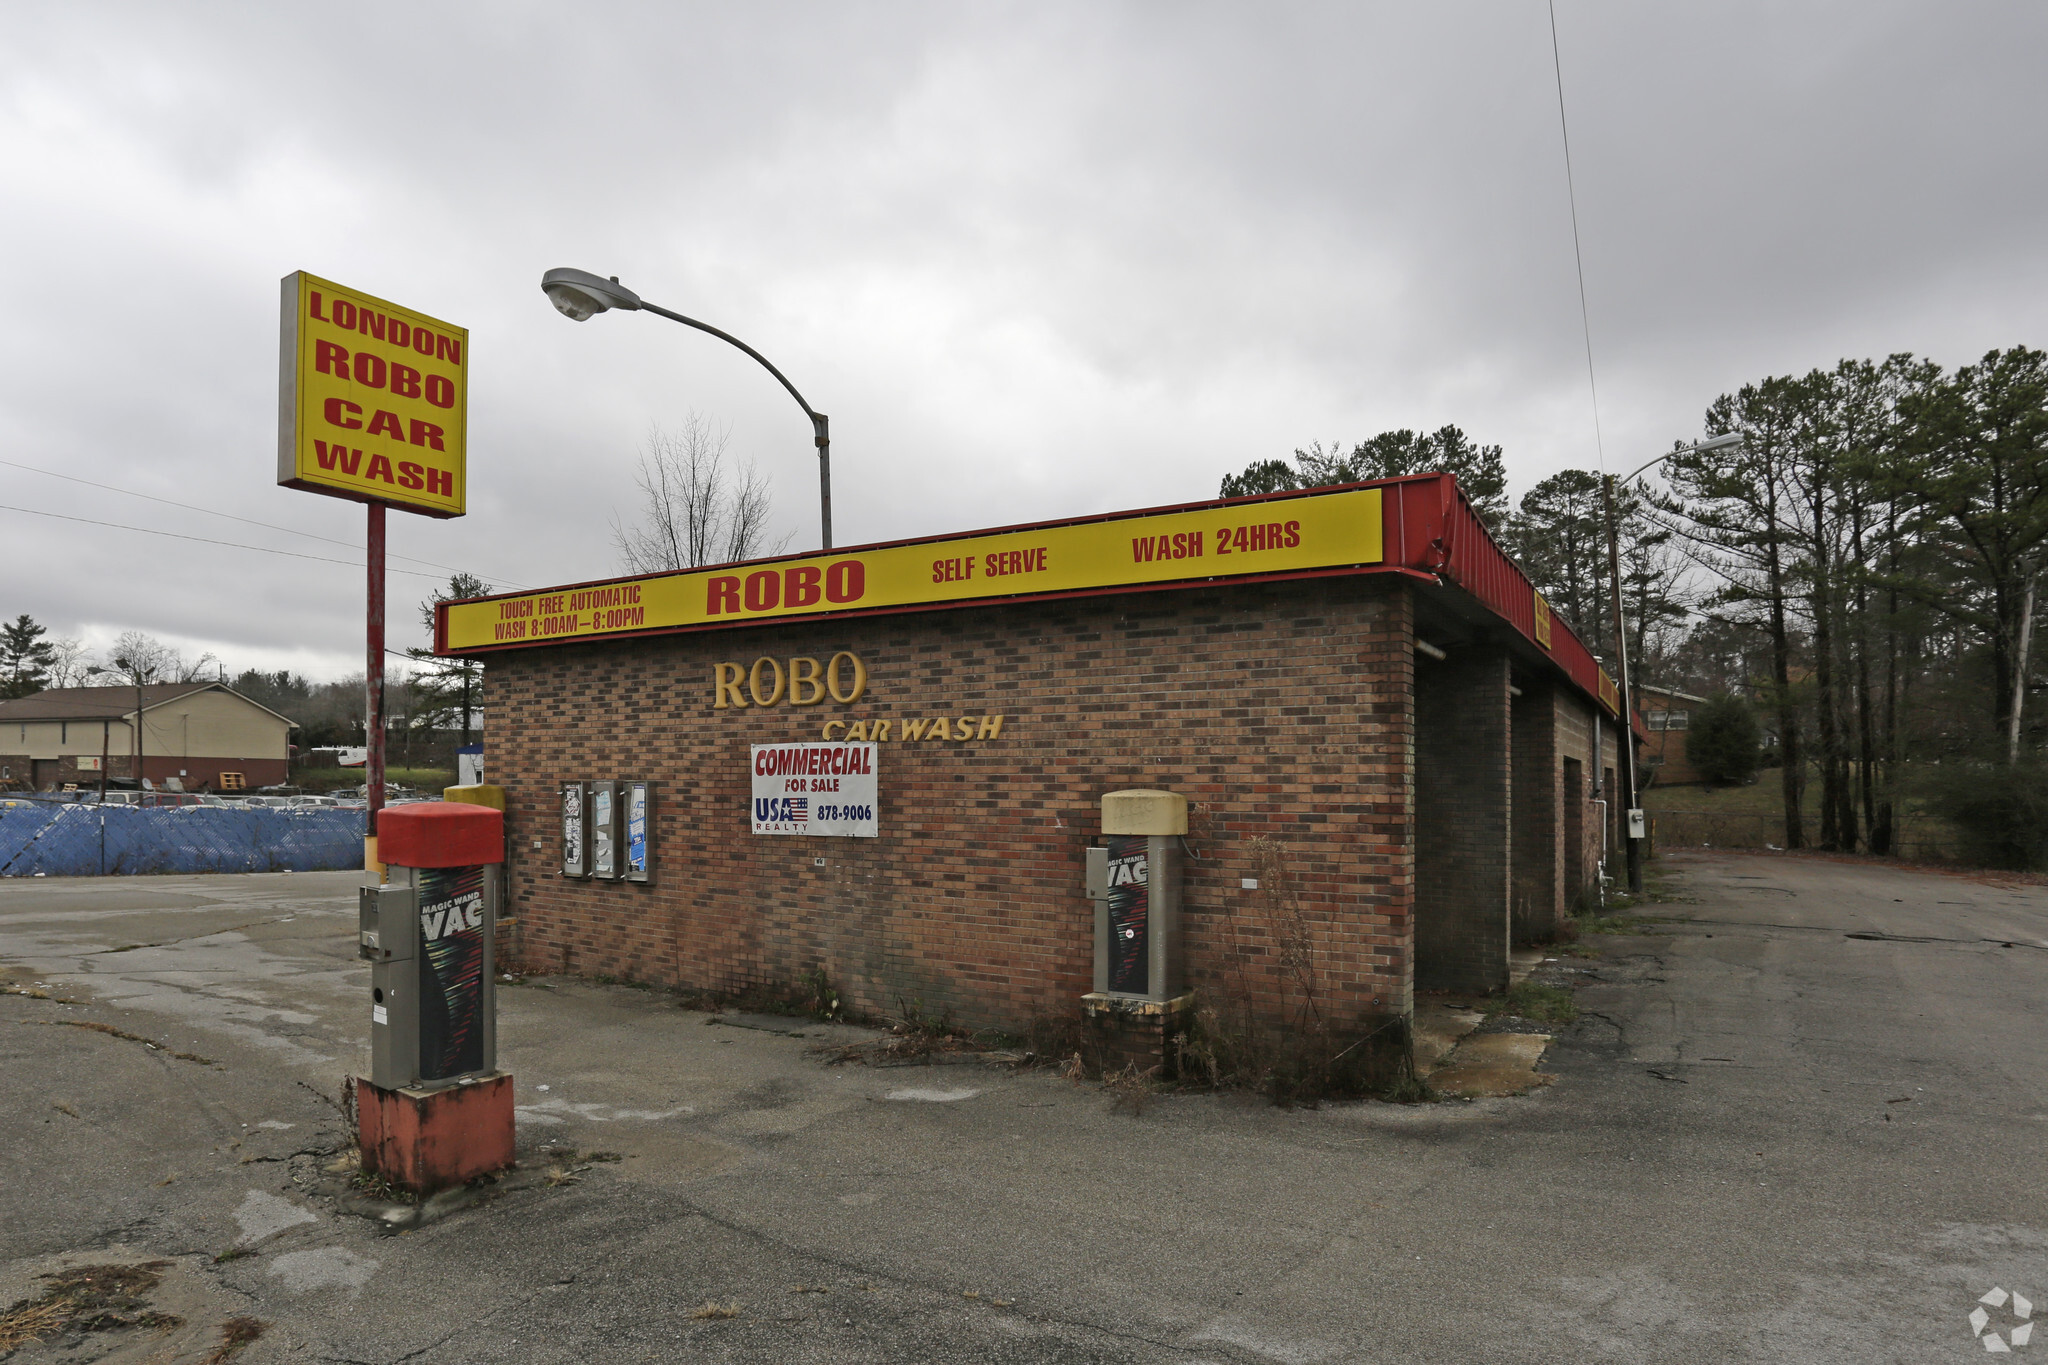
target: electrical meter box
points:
(430, 937)
(1638, 825)
(1134, 878)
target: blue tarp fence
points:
(89, 840)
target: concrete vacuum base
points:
(429, 1140)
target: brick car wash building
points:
(1382, 736)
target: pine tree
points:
(447, 689)
(1480, 470)
(1725, 743)
(25, 657)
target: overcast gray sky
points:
(1035, 260)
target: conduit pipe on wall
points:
(1425, 647)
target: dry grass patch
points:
(235, 1334)
(93, 1298)
(713, 1311)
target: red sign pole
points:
(373, 683)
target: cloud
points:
(1033, 260)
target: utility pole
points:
(1626, 737)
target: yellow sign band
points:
(1315, 532)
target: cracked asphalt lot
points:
(1801, 1119)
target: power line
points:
(216, 512)
(232, 545)
(1578, 256)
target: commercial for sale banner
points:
(1316, 531)
(372, 400)
(815, 789)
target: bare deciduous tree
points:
(696, 507)
(70, 659)
(138, 659)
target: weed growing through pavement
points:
(812, 996)
(1410, 1089)
(712, 1310)
(915, 1036)
(1533, 1000)
(566, 1165)
(126, 1036)
(377, 1187)
(824, 1001)
(1129, 1089)
(1616, 924)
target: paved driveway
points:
(1805, 1123)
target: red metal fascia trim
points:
(1474, 562)
(965, 604)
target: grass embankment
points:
(426, 781)
(1753, 816)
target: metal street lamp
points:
(1633, 842)
(581, 296)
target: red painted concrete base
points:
(429, 1140)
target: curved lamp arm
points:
(580, 295)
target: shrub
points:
(1725, 743)
(2000, 813)
(1272, 1026)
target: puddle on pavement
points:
(1493, 1064)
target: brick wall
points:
(1463, 804)
(1538, 777)
(1575, 740)
(1283, 712)
(1666, 760)
(1556, 848)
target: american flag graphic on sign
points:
(799, 808)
